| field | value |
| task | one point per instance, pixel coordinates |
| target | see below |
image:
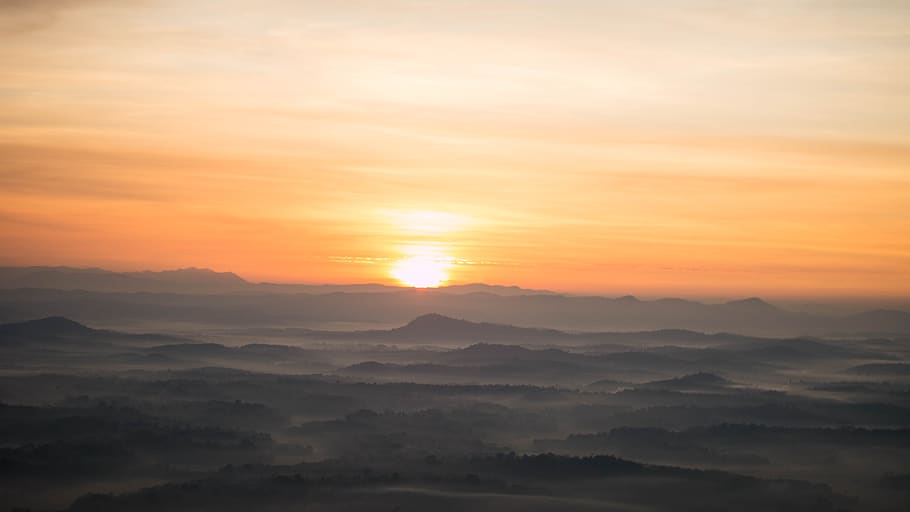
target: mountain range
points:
(201, 296)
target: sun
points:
(421, 271)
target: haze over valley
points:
(454, 255)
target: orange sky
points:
(728, 148)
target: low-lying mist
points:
(437, 411)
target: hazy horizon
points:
(900, 301)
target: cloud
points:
(33, 15)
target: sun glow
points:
(426, 261)
(421, 271)
(423, 265)
(426, 222)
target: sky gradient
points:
(695, 148)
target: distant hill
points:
(505, 291)
(881, 369)
(492, 371)
(876, 322)
(201, 276)
(188, 280)
(45, 327)
(55, 329)
(484, 353)
(605, 386)
(750, 305)
(803, 349)
(695, 381)
(445, 328)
